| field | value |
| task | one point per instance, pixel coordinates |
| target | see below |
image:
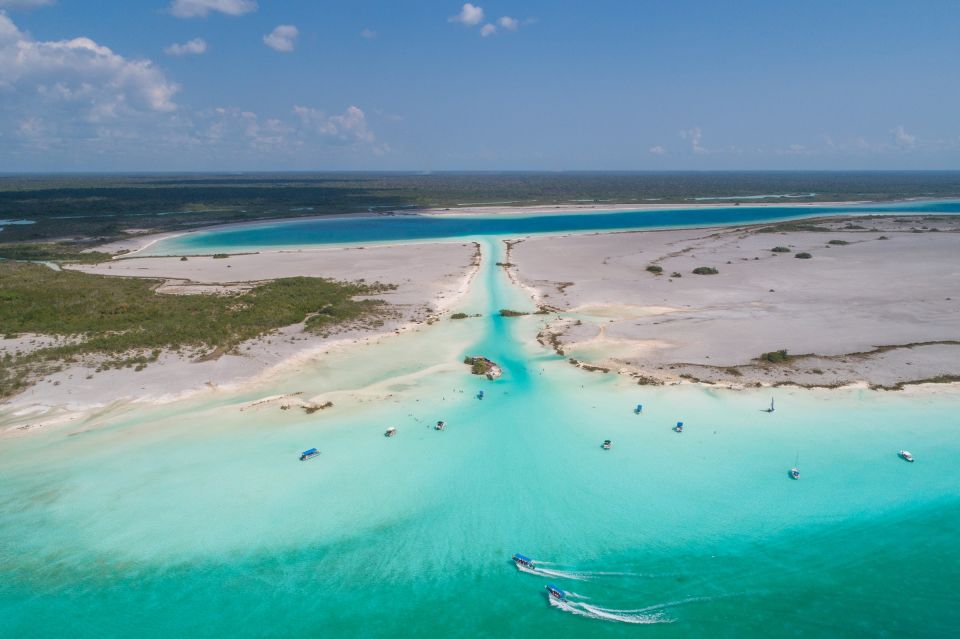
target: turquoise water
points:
(195, 519)
(425, 227)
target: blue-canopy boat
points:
(678, 427)
(556, 593)
(522, 561)
(309, 454)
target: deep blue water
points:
(424, 227)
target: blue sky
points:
(108, 85)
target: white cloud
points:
(657, 150)
(901, 136)
(487, 30)
(694, 136)
(202, 8)
(24, 4)
(368, 34)
(196, 46)
(508, 23)
(282, 38)
(470, 15)
(98, 81)
(350, 126)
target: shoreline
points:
(140, 243)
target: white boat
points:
(607, 444)
(440, 425)
(390, 432)
(795, 471)
(905, 455)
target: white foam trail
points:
(544, 572)
(594, 612)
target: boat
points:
(771, 409)
(480, 395)
(606, 444)
(555, 593)
(679, 427)
(309, 454)
(795, 471)
(638, 409)
(522, 561)
(390, 432)
(905, 455)
(440, 425)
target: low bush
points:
(803, 256)
(653, 268)
(459, 316)
(780, 249)
(838, 242)
(776, 357)
(705, 270)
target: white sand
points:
(429, 278)
(847, 299)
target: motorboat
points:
(522, 561)
(607, 444)
(309, 454)
(905, 455)
(440, 425)
(555, 593)
(390, 432)
(679, 427)
(794, 473)
(480, 395)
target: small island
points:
(483, 366)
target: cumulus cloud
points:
(487, 30)
(657, 150)
(508, 23)
(368, 34)
(349, 126)
(282, 38)
(694, 136)
(470, 15)
(98, 81)
(901, 136)
(202, 8)
(196, 46)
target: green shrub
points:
(675, 274)
(838, 242)
(803, 256)
(506, 312)
(653, 268)
(459, 316)
(780, 249)
(705, 270)
(776, 357)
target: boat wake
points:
(584, 609)
(577, 575)
(547, 572)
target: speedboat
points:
(679, 427)
(522, 561)
(905, 455)
(794, 473)
(638, 409)
(390, 432)
(607, 444)
(555, 593)
(480, 395)
(440, 425)
(309, 454)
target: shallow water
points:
(196, 519)
(250, 237)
